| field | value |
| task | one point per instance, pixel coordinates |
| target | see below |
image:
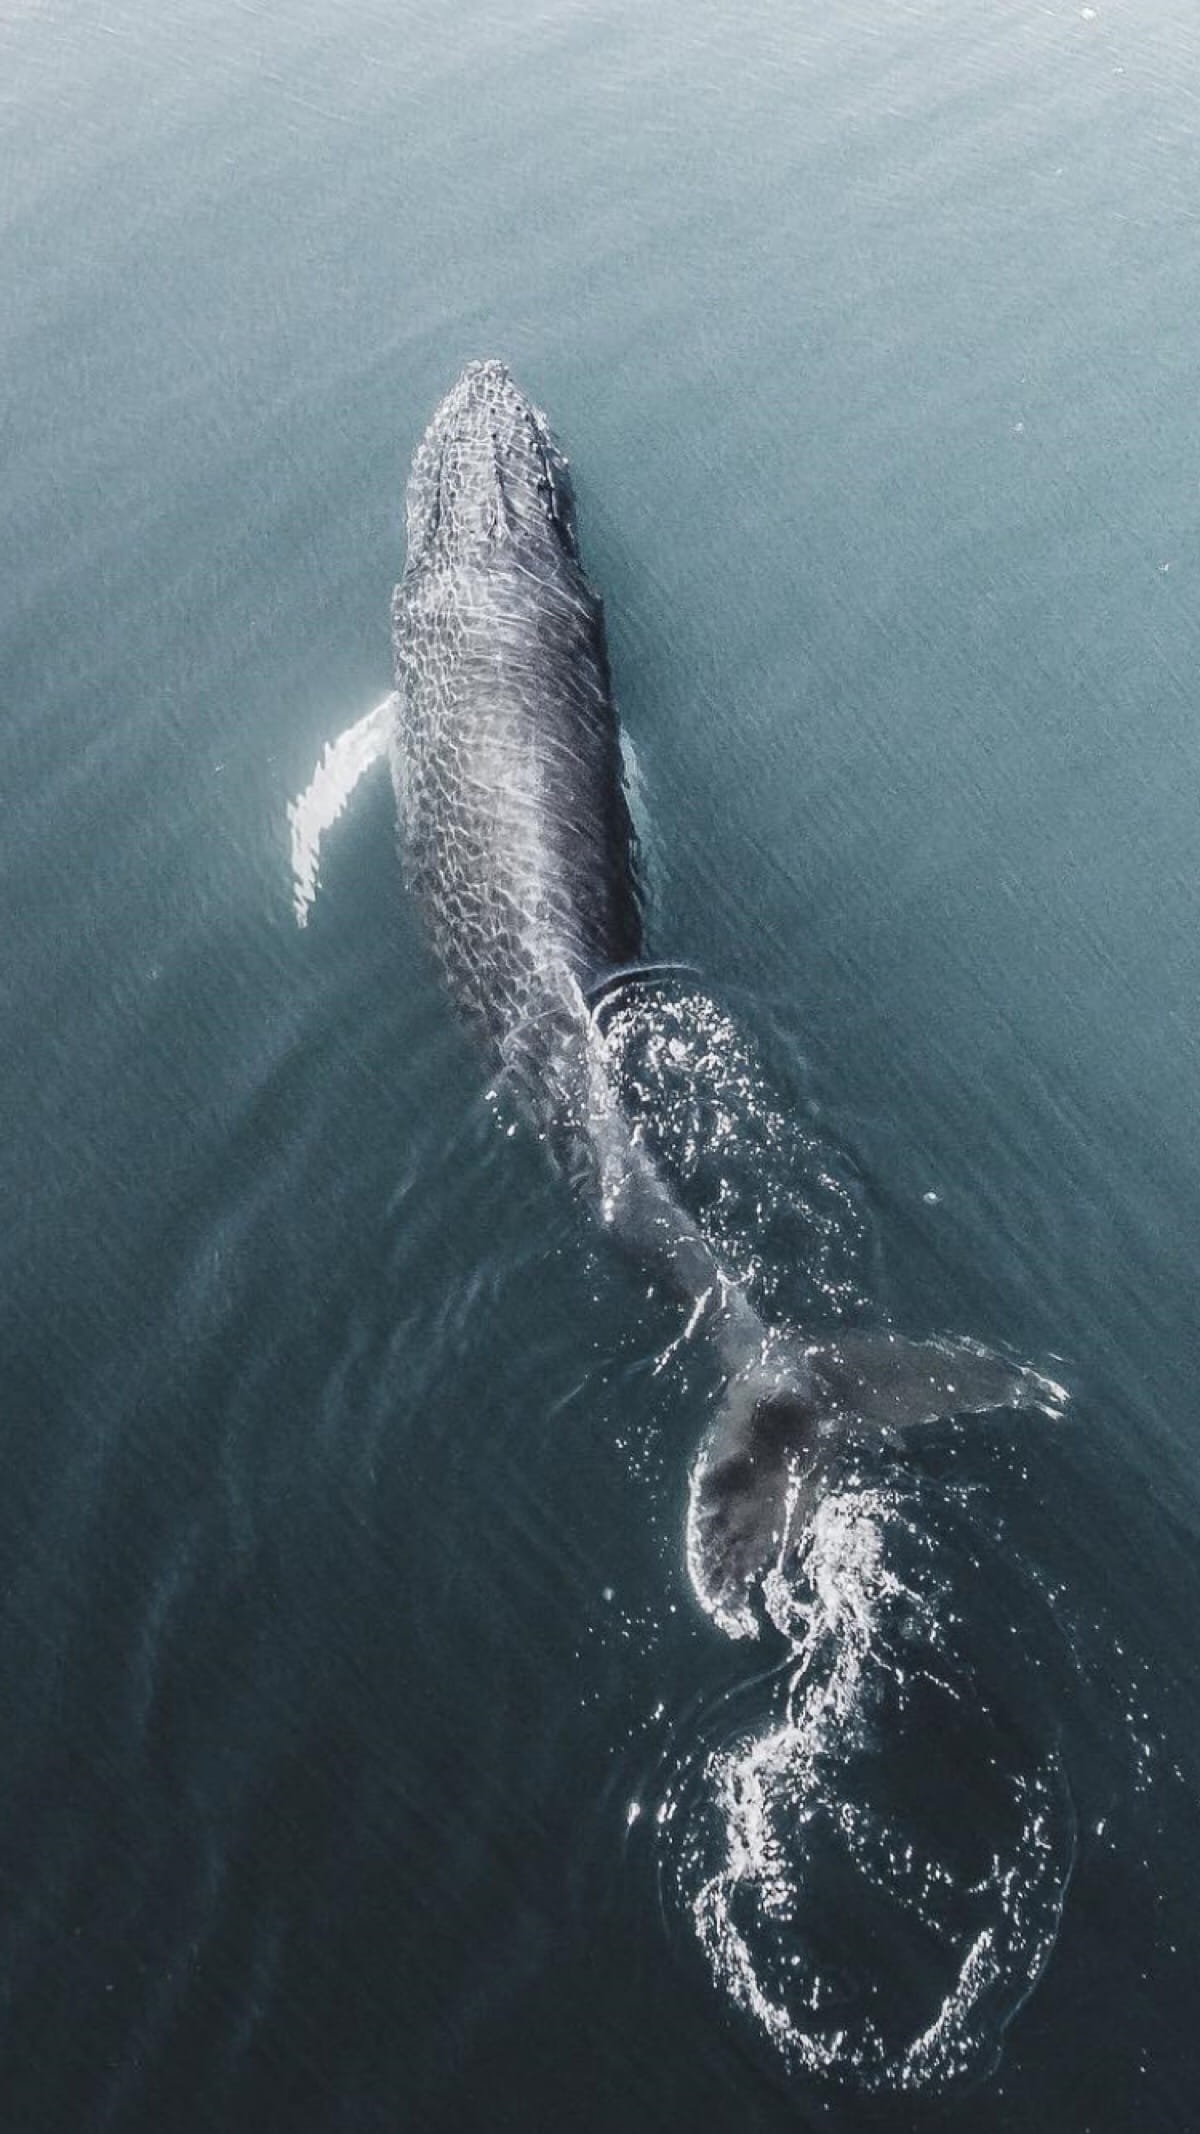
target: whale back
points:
(515, 831)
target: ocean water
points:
(366, 1761)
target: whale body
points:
(514, 828)
(516, 840)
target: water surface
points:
(363, 1736)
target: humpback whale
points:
(517, 843)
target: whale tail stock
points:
(787, 1399)
(756, 1469)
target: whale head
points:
(487, 473)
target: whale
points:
(518, 846)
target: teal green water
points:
(355, 1771)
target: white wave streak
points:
(787, 1815)
(343, 762)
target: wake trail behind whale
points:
(874, 1871)
(876, 1876)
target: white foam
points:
(866, 1611)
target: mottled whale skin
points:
(514, 828)
(516, 841)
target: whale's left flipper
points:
(343, 762)
(757, 1465)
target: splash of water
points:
(778, 1209)
(876, 1879)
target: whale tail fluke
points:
(757, 1465)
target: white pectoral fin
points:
(343, 763)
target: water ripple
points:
(875, 1872)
